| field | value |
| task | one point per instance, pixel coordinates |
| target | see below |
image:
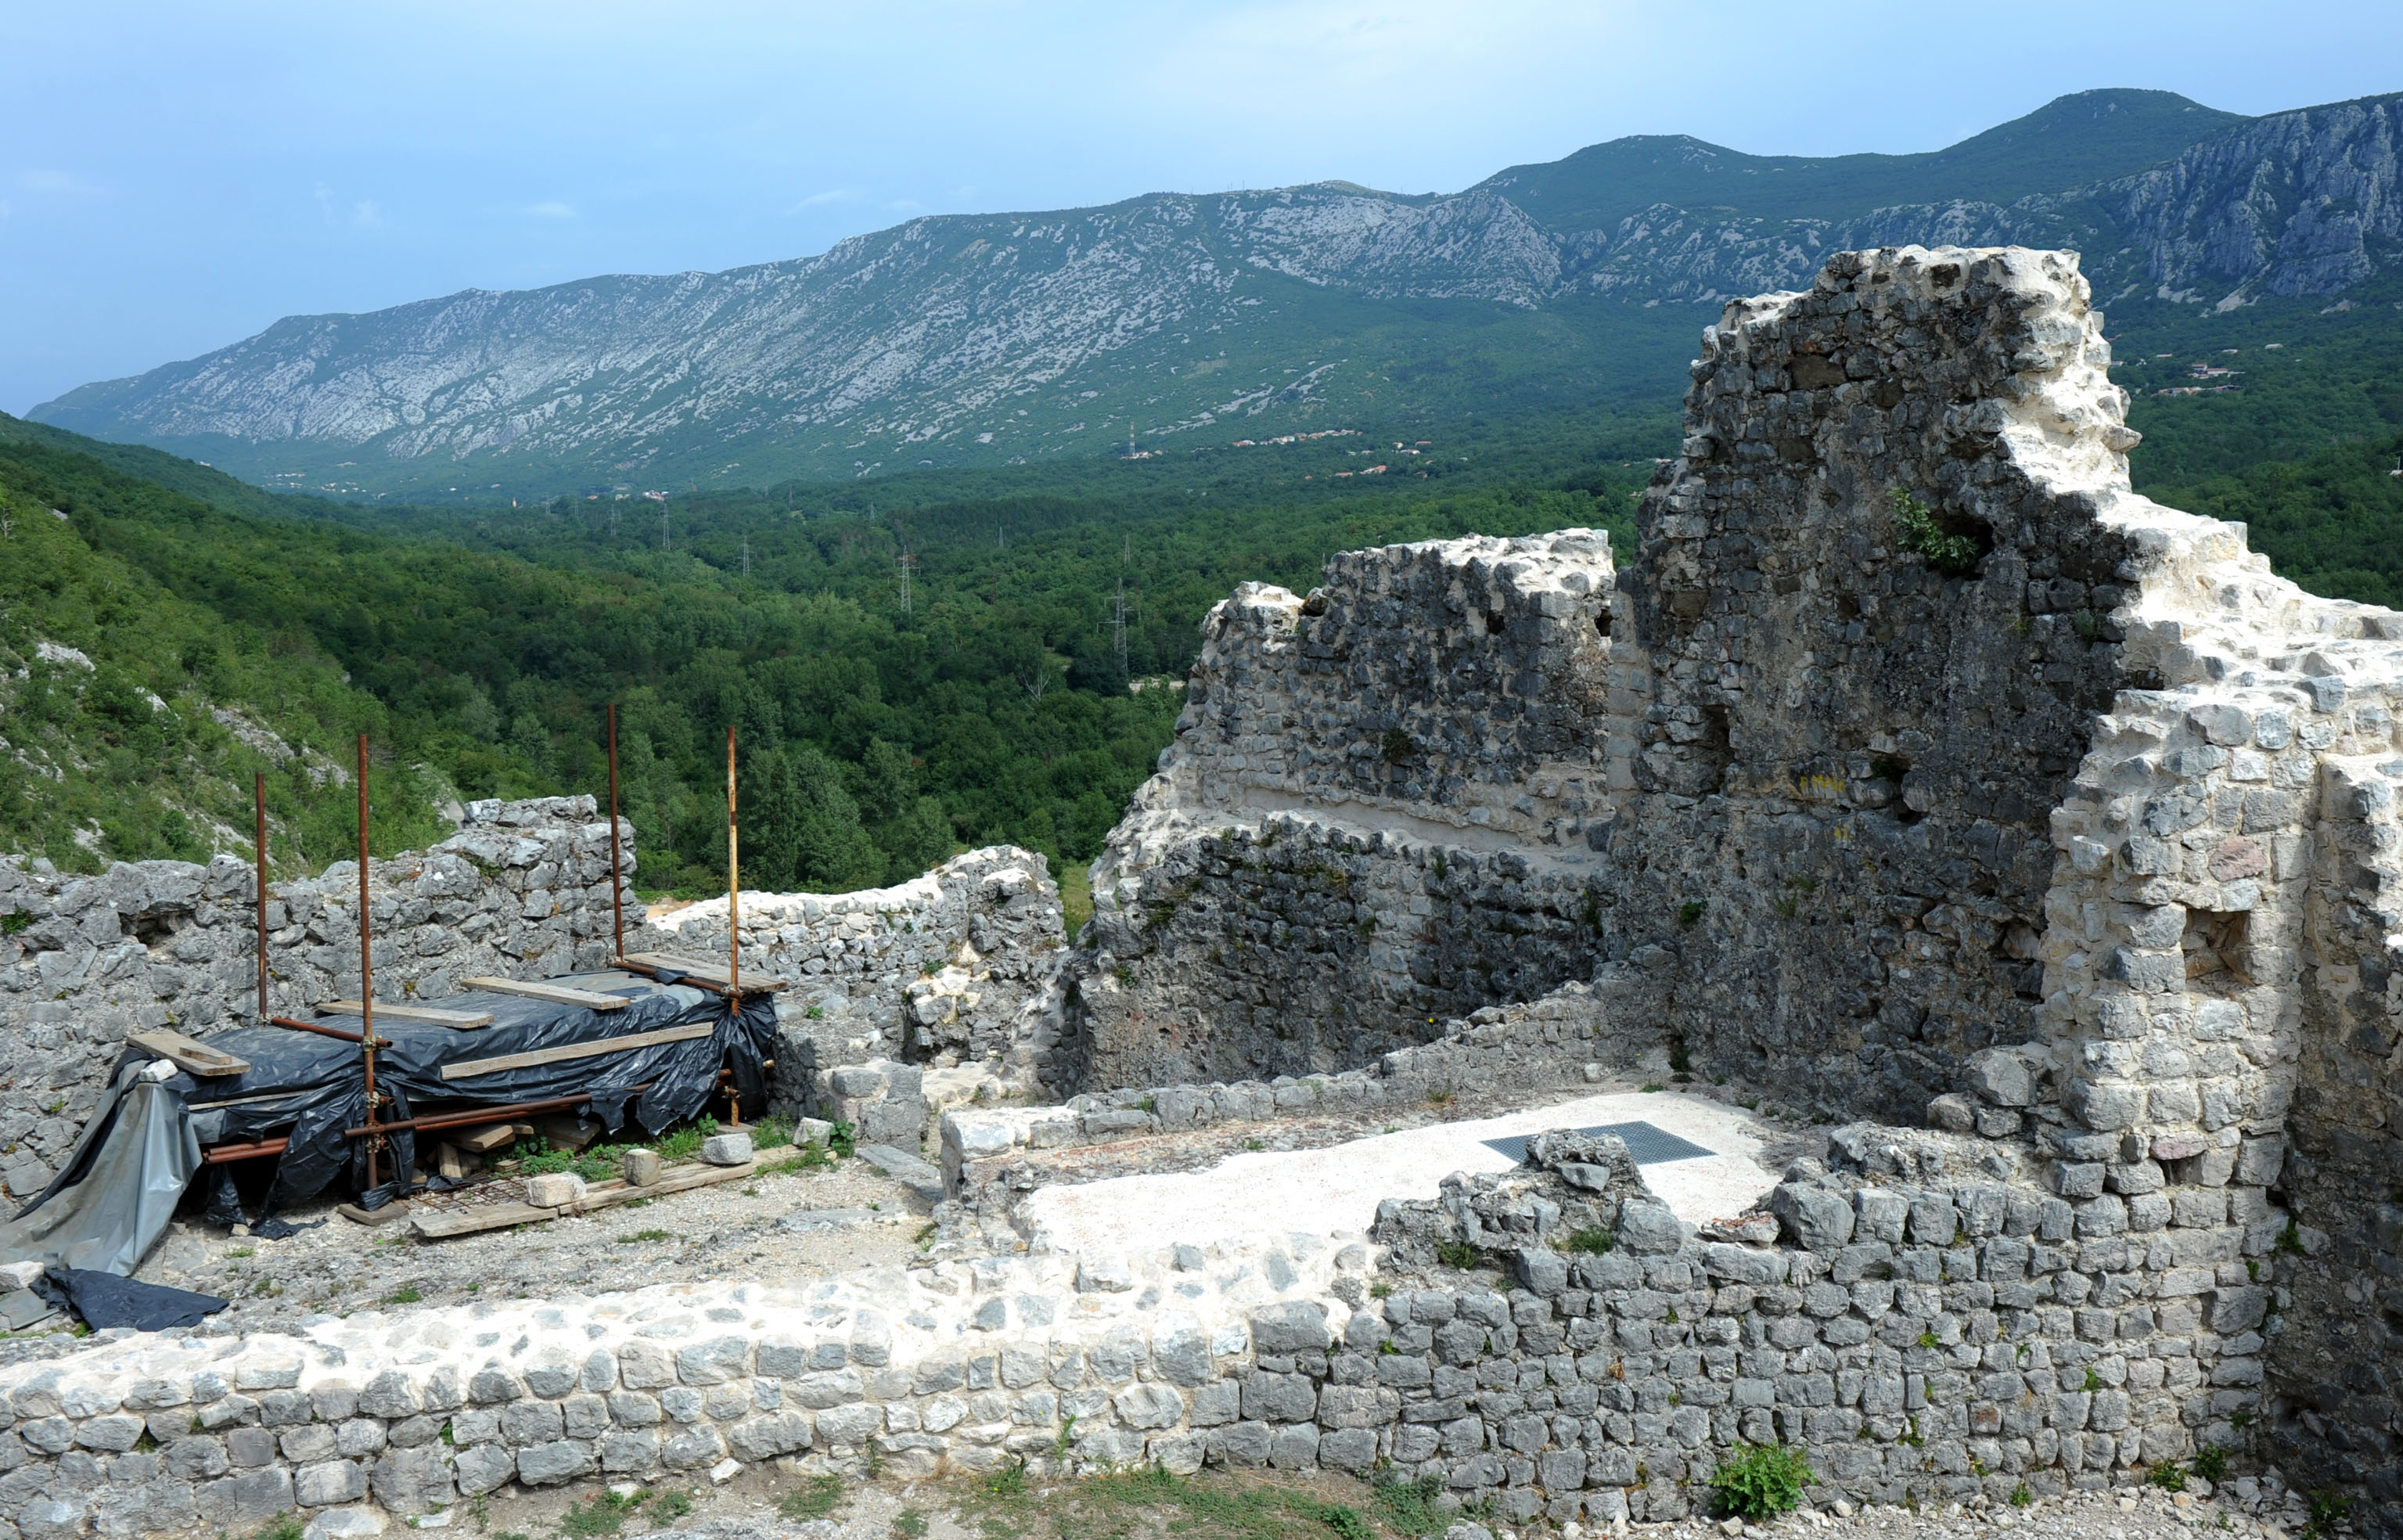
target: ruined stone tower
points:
(1915, 766)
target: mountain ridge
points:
(966, 338)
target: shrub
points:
(1762, 1482)
(1592, 1240)
(2211, 1464)
(1347, 1524)
(1917, 532)
(2168, 1476)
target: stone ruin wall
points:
(2089, 849)
(952, 971)
(955, 963)
(1394, 778)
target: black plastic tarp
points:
(310, 1089)
(144, 1141)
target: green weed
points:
(818, 1498)
(1761, 1482)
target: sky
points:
(175, 177)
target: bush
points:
(1917, 532)
(1592, 1240)
(1762, 1482)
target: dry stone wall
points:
(990, 1156)
(1918, 764)
(1394, 778)
(956, 967)
(1924, 1336)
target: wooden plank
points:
(469, 1068)
(485, 1141)
(557, 994)
(565, 1131)
(601, 1195)
(187, 1054)
(703, 969)
(427, 1014)
(447, 1163)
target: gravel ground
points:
(780, 1225)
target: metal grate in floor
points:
(1650, 1147)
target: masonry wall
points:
(953, 967)
(1923, 1338)
(1395, 778)
(1955, 783)
(993, 1154)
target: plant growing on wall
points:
(1916, 531)
(1761, 1480)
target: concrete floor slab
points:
(1336, 1190)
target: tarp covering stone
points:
(120, 1186)
(144, 1142)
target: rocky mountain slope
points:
(960, 340)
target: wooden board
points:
(427, 1014)
(564, 1131)
(485, 1141)
(557, 994)
(601, 1195)
(187, 1054)
(703, 969)
(469, 1068)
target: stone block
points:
(554, 1189)
(344, 1524)
(641, 1168)
(246, 1500)
(727, 1149)
(330, 1481)
(1812, 1217)
(483, 1468)
(563, 1460)
(1294, 1326)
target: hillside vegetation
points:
(132, 719)
(877, 733)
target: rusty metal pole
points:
(617, 892)
(734, 881)
(258, 795)
(367, 971)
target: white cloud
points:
(365, 212)
(819, 200)
(552, 210)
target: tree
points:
(801, 831)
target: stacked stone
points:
(1564, 1039)
(1198, 978)
(521, 890)
(945, 1366)
(1920, 1343)
(954, 966)
(1422, 735)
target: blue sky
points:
(174, 177)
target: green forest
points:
(913, 664)
(904, 681)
